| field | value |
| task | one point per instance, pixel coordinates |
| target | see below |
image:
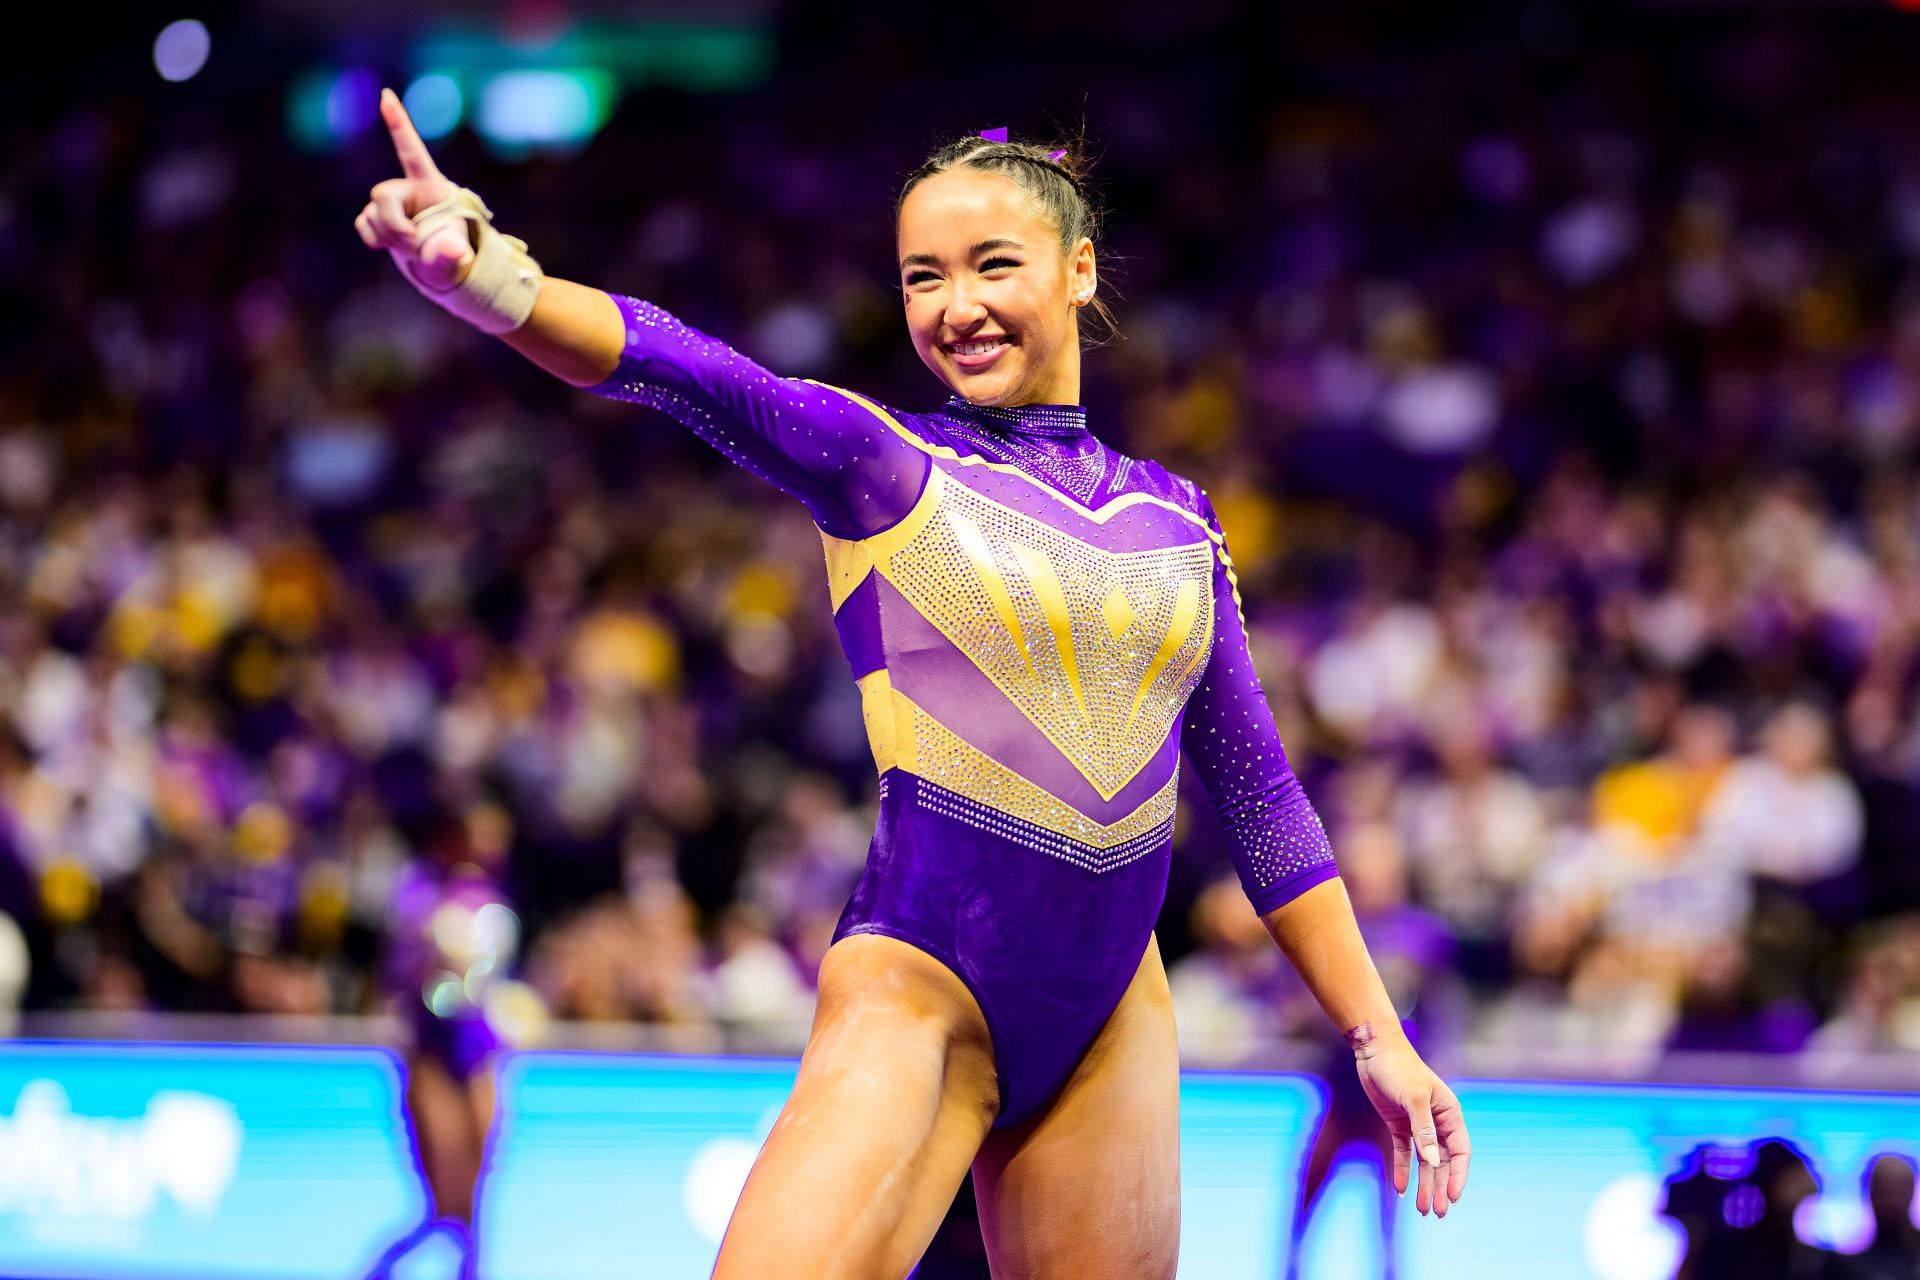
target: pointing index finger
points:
(414, 160)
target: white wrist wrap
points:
(499, 289)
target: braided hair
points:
(1056, 178)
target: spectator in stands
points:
(1786, 813)
(1475, 837)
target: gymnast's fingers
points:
(1426, 1146)
(1443, 1164)
(391, 218)
(1402, 1158)
(364, 225)
(445, 256)
(415, 161)
(1457, 1176)
(1453, 1128)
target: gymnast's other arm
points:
(1318, 932)
(1286, 866)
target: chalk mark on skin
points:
(1362, 1041)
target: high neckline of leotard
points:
(1060, 421)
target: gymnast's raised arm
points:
(829, 449)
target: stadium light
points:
(435, 103)
(544, 108)
(181, 49)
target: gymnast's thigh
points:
(896, 1088)
(1091, 1185)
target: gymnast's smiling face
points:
(992, 298)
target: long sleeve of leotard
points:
(853, 472)
(1279, 848)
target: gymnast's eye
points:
(995, 264)
(919, 277)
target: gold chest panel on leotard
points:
(1036, 610)
(1097, 649)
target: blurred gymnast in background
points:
(1039, 626)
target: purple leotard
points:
(1038, 626)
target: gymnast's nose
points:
(964, 311)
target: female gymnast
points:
(1038, 627)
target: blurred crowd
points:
(1560, 399)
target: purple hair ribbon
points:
(1000, 135)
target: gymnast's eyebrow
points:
(985, 246)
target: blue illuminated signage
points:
(167, 1161)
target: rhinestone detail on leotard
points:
(1028, 604)
(1008, 826)
(1048, 442)
(988, 786)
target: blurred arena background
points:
(1554, 367)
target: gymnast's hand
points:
(439, 261)
(1422, 1114)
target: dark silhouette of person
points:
(1741, 1227)
(1895, 1251)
